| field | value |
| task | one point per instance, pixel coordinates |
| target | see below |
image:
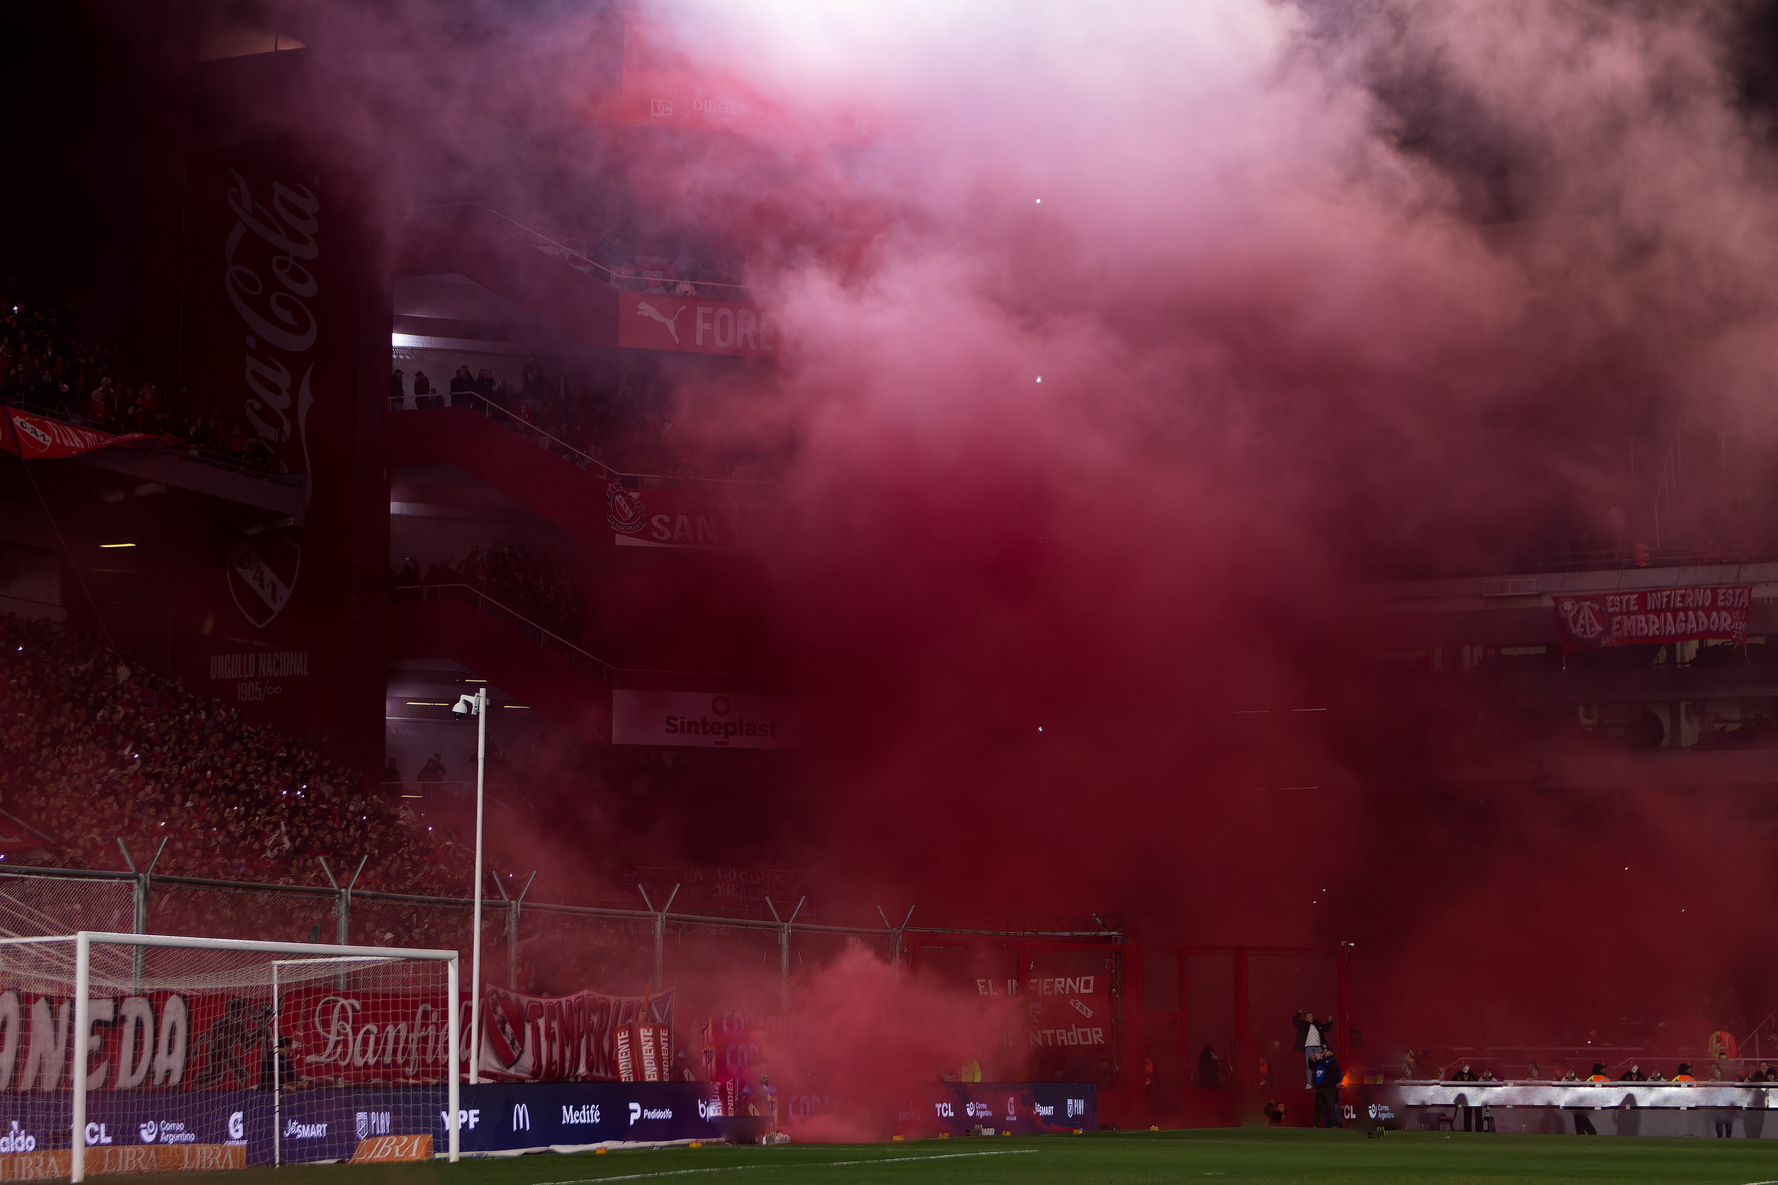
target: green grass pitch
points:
(1135, 1158)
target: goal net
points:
(142, 1053)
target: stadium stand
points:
(99, 749)
(47, 368)
(520, 578)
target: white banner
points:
(700, 719)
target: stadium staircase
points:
(565, 683)
(567, 290)
(560, 682)
(544, 481)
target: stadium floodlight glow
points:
(127, 988)
(476, 705)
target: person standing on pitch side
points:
(1325, 1071)
(1308, 1042)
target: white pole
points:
(82, 1014)
(453, 1100)
(475, 937)
(277, 1087)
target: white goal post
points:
(185, 1053)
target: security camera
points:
(465, 706)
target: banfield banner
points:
(701, 720)
(651, 321)
(1653, 616)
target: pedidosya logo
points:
(638, 1111)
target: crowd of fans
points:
(94, 748)
(46, 367)
(524, 579)
(587, 415)
(613, 420)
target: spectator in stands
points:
(1209, 1069)
(1569, 1075)
(422, 390)
(1654, 1074)
(392, 776)
(1410, 1070)
(397, 390)
(1308, 1042)
(1763, 1073)
(100, 403)
(1598, 1074)
(1488, 1074)
(461, 384)
(1532, 1073)
(531, 379)
(484, 383)
(1464, 1075)
(1633, 1074)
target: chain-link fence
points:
(536, 947)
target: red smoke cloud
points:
(1314, 293)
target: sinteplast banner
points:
(702, 720)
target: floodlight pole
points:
(475, 952)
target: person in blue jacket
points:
(1326, 1073)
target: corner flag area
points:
(1107, 1158)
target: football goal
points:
(148, 1052)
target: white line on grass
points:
(824, 1164)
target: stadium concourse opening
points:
(1233, 591)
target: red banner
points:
(651, 321)
(714, 518)
(570, 1038)
(1653, 616)
(35, 437)
(174, 1041)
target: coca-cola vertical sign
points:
(269, 344)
